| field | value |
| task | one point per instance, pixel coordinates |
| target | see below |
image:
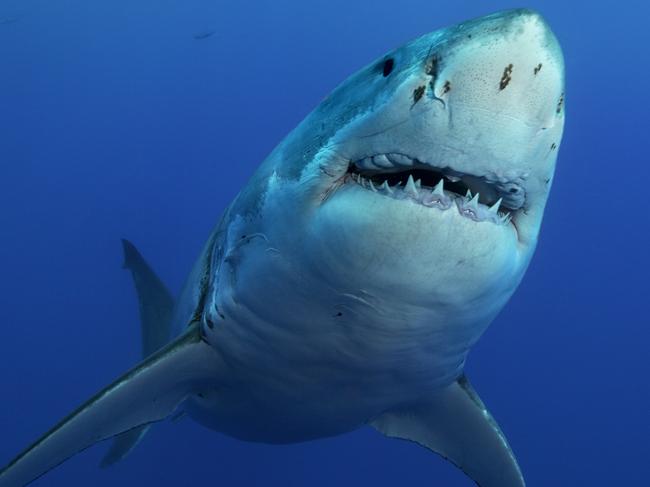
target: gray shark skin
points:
(347, 282)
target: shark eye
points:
(389, 64)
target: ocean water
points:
(143, 119)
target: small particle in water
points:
(204, 34)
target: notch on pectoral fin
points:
(456, 424)
(149, 392)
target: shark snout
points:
(508, 66)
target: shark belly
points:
(283, 386)
(299, 368)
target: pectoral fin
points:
(456, 424)
(122, 445)
(156, 307)
(149, 392)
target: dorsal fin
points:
(155, 301)
(156, 307)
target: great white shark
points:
(347, 282)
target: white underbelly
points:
(297, 380)
(308, 357)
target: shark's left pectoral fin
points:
(123, 444)
(456, 424)
(149, 392)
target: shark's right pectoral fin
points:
(149, 392)
(456, 424)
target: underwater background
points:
(142, 119)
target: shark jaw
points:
(401, 177)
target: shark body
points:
(347, 282)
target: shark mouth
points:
(481, 199)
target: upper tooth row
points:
(384, 161)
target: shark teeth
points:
(400, 159)
(386, 188)
(411, 188)
(474, 202)
(494, 209)
(468, 206)
(365, 163)
(471, 207)
(382, 161)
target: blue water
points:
(116, 122)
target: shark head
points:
(454, 135)
(419, 185)
(476, 109)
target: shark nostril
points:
(389, 64)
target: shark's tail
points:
(156, 306)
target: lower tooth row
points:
(468, 206)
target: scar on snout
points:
(418, 93)
(431, 67)
(553, 146)
(538, 68)
(506, 78)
